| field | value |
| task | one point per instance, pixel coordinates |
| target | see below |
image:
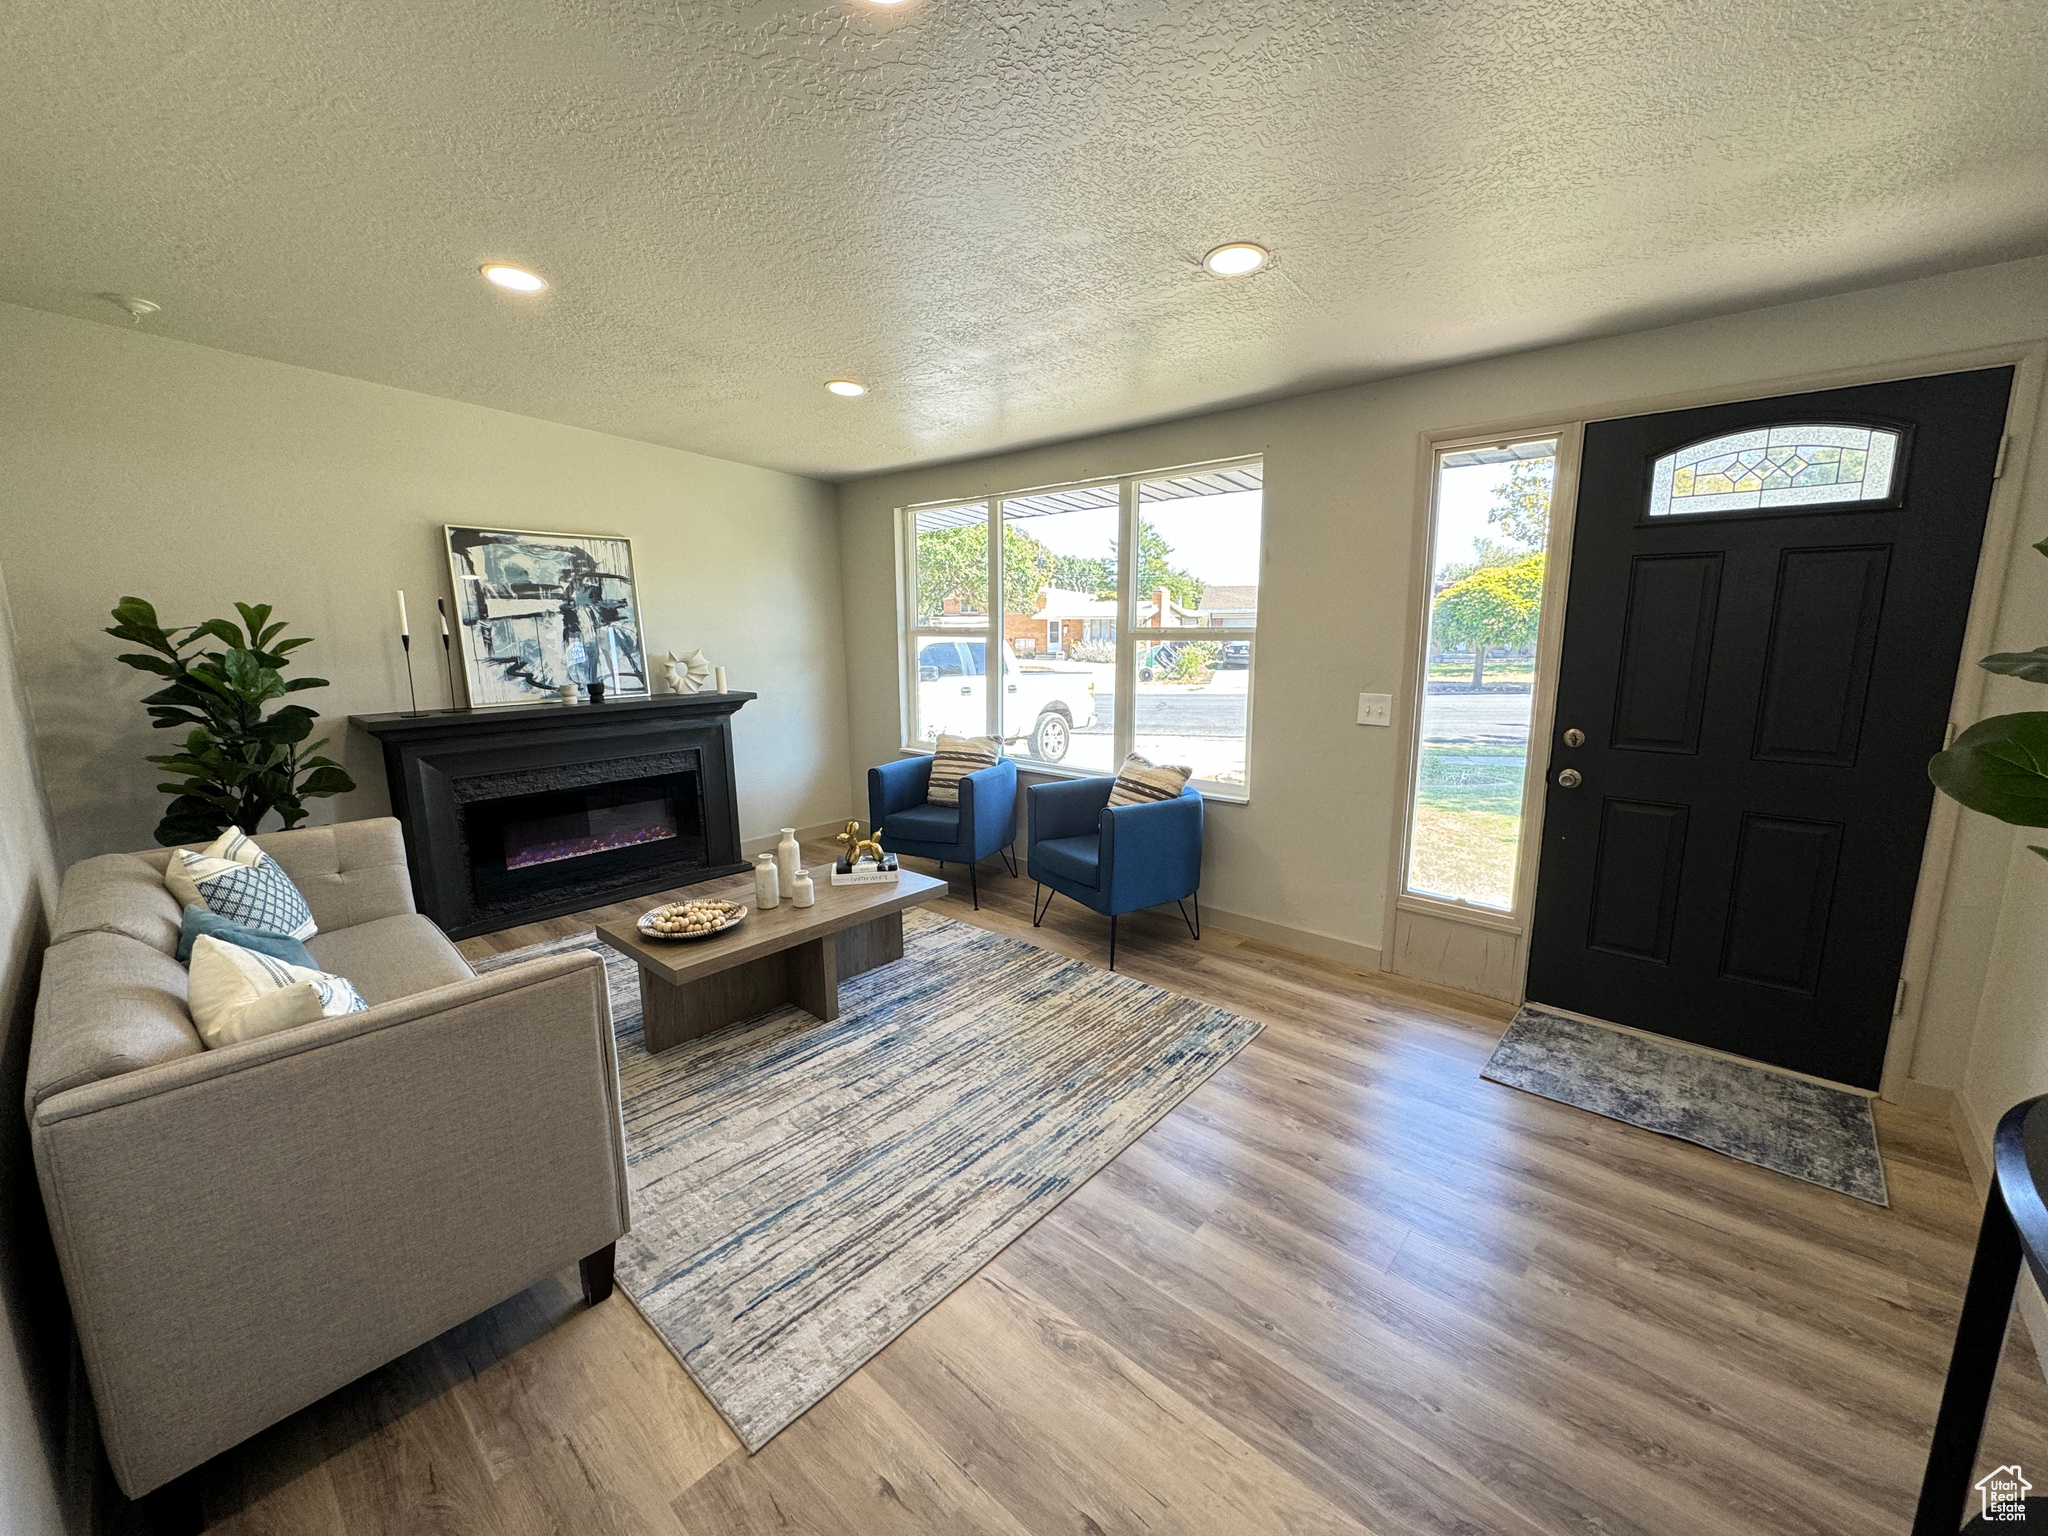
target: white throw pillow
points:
(237, 994)
(953, 759)
(1141, 781)
(233, 846)
(241, 883)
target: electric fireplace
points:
(512, 814)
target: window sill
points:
(1460, 912)
(1052, 771)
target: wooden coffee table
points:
(689, 987)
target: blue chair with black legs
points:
(984, 822)
(1115, 859)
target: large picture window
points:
(1489, 536)
(1027, 622)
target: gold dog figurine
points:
(858, 847)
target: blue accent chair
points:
(1115, 860)
(984, 822)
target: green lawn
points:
(1468, 822)
(1496, 672)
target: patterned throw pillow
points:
(259, 894)
(955, 758)
(233, 846)
(237, 994)
(1141, 780)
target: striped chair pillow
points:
(955, 758)
(1141, 780)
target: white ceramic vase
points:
(789, 858)
(806, 893)
(767, 882)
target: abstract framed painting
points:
(537, 610)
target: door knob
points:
(1568, 779)
(1575, 737)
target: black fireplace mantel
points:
(439, 763)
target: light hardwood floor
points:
(1346, 1286)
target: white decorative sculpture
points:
(686, 673)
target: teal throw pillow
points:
(264, 941)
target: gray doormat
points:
(803, 1192)
(1786, 1124)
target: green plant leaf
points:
(157, 664)
(2042, 546)
(221, 630)
(253, 619)
(2030, 665)
(1999, 766)
(236, 764)
(325, 781)
(292, 723)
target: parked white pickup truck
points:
(952, 697)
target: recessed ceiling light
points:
(518, 279)
(847, 387)
(1240, 258)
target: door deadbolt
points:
(1568, 779)
(1575, 737)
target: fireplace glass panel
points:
(566, 824)
(584, 834)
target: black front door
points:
(1765, 619)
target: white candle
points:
(403, 627)
(718, 678)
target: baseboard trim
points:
(1924, 1099)
(1326, 946)
(765, 843)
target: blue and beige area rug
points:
(803, 1192)
(1787, 1124)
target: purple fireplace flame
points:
(593, 829)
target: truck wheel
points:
(1050, 737)
(1144, 674)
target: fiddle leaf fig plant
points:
(238, 763)
(2000, 765)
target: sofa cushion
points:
(391, 958)
(349, 873)
(109, 1004)
(1071, 858)
(118, 893)
(925, 823)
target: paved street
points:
(1198, 712)
(1495, 718)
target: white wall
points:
(35, 1327)
(1312, 850)
(195, 477)
(2008, 1055)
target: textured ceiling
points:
(991, 211)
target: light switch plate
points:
(1375, 709)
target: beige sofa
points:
(243, 1230)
